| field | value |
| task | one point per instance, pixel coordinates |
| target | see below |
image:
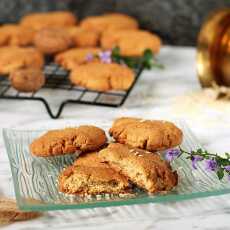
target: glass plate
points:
(35, 179)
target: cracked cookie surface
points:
(68, 141)
(151, 135)
(89, 175)
(145, 169)
(102, 76)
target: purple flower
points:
(195, 159)
(211, 165)
(227, 168)
(105, 56)
(172, 154)
(89, 57)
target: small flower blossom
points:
(195, 159)
(105, 56)
(227, 168)
(89, 57)
(172, 154)
(211, 165)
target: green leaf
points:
(220, 173)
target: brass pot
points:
(213, 49)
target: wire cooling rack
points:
(57, 80)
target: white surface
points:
(153, 97)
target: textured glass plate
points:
(35, 179)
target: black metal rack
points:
(57, 78)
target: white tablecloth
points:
(153, 97)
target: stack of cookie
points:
(59, 35)
(113, 168)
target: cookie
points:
(102, 77)
(12, 34)
(44, 20)
(9, 212)
(145, 169)
(82, 37)
(12, 58)
(68, 141)
(27, 79)
(131, 42)
(109, 21)
(53, 40)
(81, 179)
(74, 57)
(145, 134)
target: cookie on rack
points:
(131, 42)
(145, 169)
(52, 40)
(27, 79)
(82, 37)
(102, 76)
(71, 58)
(68, 141)
(13, 57)
(89, 175)
(109, 21)
(151, 135)
(43, 20)
(12, 34)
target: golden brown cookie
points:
(131, 42)
(109, 21)
(146, 134)
(43, 20)
(82, 37)
(68, 141)
(12, 34)
(74, 57)
(81, 179)
(27, 79)
(52, 40)
(145, 169)
(9, 212)
(102, 77)
(12, 58)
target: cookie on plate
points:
(12, 34)
(145, 169)
(9, 212)
(71, 58)
(13, 57)
(82, 37)
(43, 20)
(27, 79)
(53, 40)
(151, 135)
(131, 42)
(102, 77)
(109, 21)
(92, 179)
(68, 141)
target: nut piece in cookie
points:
(13, 57)
(12, 34)
(146, 134)
(74, 57)
(102, 76)
(43, 20)
(82, 37)
(52, 40)
(68, 141)
(131, 42)
(109, 21)
(89, 175)
(27, 79)
(9, 212)
(145, 169)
